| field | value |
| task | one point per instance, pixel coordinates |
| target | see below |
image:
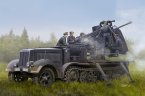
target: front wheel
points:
(17, 77)
(46, 77)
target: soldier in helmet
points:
(107, 32)
(63, 41)
(71, 37)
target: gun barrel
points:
(112, 20)
(125, 24)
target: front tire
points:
(17, 77)
(46, 77)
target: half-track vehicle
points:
(85, 60)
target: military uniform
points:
(63, 41)
(79, 38)
(106, 32)
(119, 42)
(71, 39)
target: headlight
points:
(16, 65)
(27, 64)
(30, 63)
(88, 54)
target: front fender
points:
(38, 65)
(11, 65)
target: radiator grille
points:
(24, 57)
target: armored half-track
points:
(83, 61)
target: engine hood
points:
(40, 49)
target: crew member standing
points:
(79, 38)
(71, 38)
(63, 41)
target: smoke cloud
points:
(97, 47)
(134, 32)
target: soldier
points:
(82, 34)
(78, 39)
(71, 38)
(63, 41)
(117, 47)
(119, 42)
(107, 32)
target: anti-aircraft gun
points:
(106, 40)
(108, 37)
(83, 61)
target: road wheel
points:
(17, 77)
(83, 76)
(46, 77)
(91, 77)
(71, 74)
